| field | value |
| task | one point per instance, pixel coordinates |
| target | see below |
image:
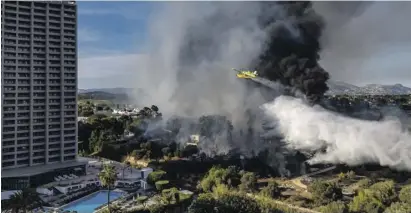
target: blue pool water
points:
(88, 204)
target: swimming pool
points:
(89, 203)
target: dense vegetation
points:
(231, 190)
(226, 188)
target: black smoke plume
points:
(289, 55)
(292, 50)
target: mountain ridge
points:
(335, 88)
(339, 88)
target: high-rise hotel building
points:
(39, 91)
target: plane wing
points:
(239, 71)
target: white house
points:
(145, 172)
(5, 195)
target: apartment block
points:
(39, 86)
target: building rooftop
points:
(34, 170)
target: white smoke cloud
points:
(209, 86)
(366, 42)
(202, 82)
(348, 140)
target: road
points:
(297, 181)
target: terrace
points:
(127, 178)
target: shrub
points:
(155, 176)
(227, 203)
(333, 207)
(272, 190)
(365, 202)
(398, 207)
(248, 182)
(161, 184)
(364, 183)
(405, 194)
(324, 192)
(350, 175)
(384, 191)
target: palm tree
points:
(25, 200)
(108, 176)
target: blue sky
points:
(113, 26)
(109, 34)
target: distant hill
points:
(100, 95)
(116, 90)
(337, 88)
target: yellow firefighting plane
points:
(246, 73)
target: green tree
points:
(142, 200)
(134, 153)
(24, 200)
(97, 139)
(230, 202)
(205, 203)
(94, 141)
(237, 203)
(248, 182)
(108, 177)
(161, 184)
(126, 121)
(398, 207)
(170, 195)
(333, 207)
(157, 208)
(366, 202)
(217, 175)
(137, 126)
(154, 108)
(405, 194)
(364, 183)
(346, 177)
(324, 192)
(384, 192)
(84, 134)
(97, 121)
(155, 176)
(272, 190)
(85, 109)
(114, 127)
